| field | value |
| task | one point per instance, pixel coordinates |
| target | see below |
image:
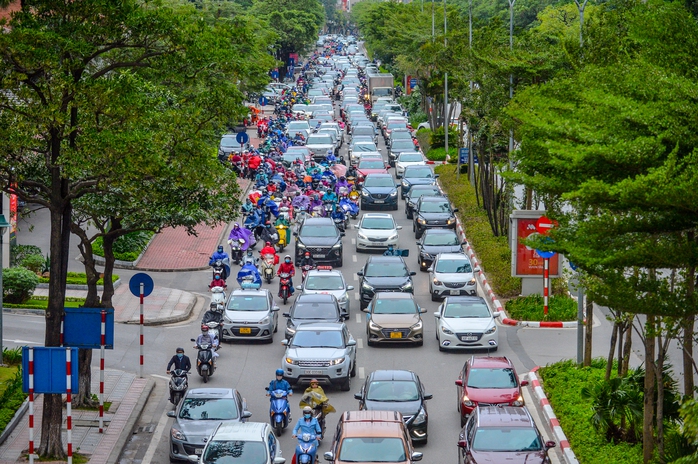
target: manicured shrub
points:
(18, 284)
(530, 308)
(127, 247)
(19, 252)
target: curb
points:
(128, 427)
(552, 418)
(24, 311)
(14, 422)
(541, 324)
(117, 283)
(168, 320)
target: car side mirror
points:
(357, 396)
(170, 414)
(428, 396)
(351, 342)
(275, 308)
(192, 340)
(397, 185)
(295, 234)
(413, 273)
(459, 382)
(355, 226)
(284, 342)
(465, 243)
(329, 456)
(462, 444)
(437, 315)
(350, 288)
(399, 227)
(430, 269)
(436, 176)
(286, 315)
(550, 444)
(299, 287)
(422, 310)
(418, 242)
(416, 456)
(523, 383)
(246, 414)
(342, 234)
(279, 460)
(360, 273)
(497, 314)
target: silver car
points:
(451, 274)
(250, 314)
(328, 281)
(323, 351)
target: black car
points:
(415, 193)
(401, 391)
(378, 191)
(312, 308)
(435, 241)
(322, 239)
(431, 213)
(417, 175)
(384, 274)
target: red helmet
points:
(267, 244)
(307, 253)
(204, 328)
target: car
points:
(322, 239)
(198, 414)
(466, 322)
(337, 129)
(504, 434)
(399, 134)
(435, 241)
(250, 314)
(417, 191)
(312, 308)
(372, 436)
(393, 122)
(327, 280)
(228, 145)
(359, 146)
(323, 351)
(334, 133)
(366, 130)
(377, 231)
(241, 442)
(397, 147)
(295, 152)
(398, 390)
(431, 213)
(394, 317)
(408, 158)
(383, 274)
(451, 274)
(378, 191)
(370, 166)
(416, 175)
(294, 127)
(272, 95)
(490, 381)
(321, 145)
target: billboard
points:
(525, 261)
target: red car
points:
(370, 166)
(485, 382)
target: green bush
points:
(11, 399)
(34, 263)
(492, 251)
(530, 308)
(438, 137)
(18, 284)
(78, 278)
(12, 356)
(439, 154)
(19, 252)
(423, 136)
(127, 247)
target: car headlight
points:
(392, 237)
(337, 245)
(334, 362)
(264, 321)
(467, 402)
(373, 325)
(424, 254)
(406, 287)
(471, 282)
(437, 281)
(364, 193)
(519, 401)
(421, 221)
(421, 417)
(446, 330)
(362, 236)
(492, 330)
(393, 194)
(405, 183)
(177, 435)
(416, 326)
(300, 244)
(291, 329)
(344, 299)
(451, 220)
(290, 361)
(366, 286)
(226, 319)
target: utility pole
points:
(433, 24)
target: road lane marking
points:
(353, 258)
(155, 440)
(356, 277)
(356, 295)
(353, 241)
(362, 373)
(360, 343)
(358, 318)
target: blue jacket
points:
(303, 426)
(280, 385)
(216, 256)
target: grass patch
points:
(41, 302)
(12, 396)
(107, 405)
(423, 137)
(530, 308)
(78, 458)
(78, 278)
(439, 154)
(127, 247)
(562, 383)
(493, 252)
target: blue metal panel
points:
(82, 328)
(49, 370)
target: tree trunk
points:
(648, 401)
(659, 372)
(622, 327)
(627, 348)
(589, 308)
(612, 350)
(108, 247)
(688, 332)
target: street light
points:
(3, 226)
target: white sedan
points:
(464, 322)
(408, 158)
(377, 231)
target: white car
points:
(451, 274)
(360, 146)
(408, 158)
(241, 442)
(466, 322)
(297, 126)
(327, 280)
(377, 231)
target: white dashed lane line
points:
(362, 373)
(358, 318)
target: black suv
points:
(416, 193)
(312, 308)
(433, 212)
(322, 239)
(435, 241)
(384, 274)
(416, 175)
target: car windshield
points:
(324, 282)
(392, 390)
(457, 266)
(466, 310)
(397, 124)
(318, 339)
(364, 146)
(377, 223)
(419, 171)
(323, 139)
(492, 378)
(394, 306)
(506, 439)
(382, 181)
(403, 145)
(297, 125)
(383, 269)
(372, 449)
(401, 135)
(293, 156)
(363, 130)
(319, 230)
(435, 207)
(235, 451)
(410, 158)
(247, 303)
(229, 142)
(314, 311)
(440, 239)
(208, 409)
(371, 164)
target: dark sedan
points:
(384, 274)
(433, 212)
(378, 191)
(312, 308)
(322, 239)
(416, 193)
(397, 390)
(435, 241)
(417, 175)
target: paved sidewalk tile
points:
(161, 303)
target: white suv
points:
(377, 231)
(451, 274)
(327, 280)
(241, 442)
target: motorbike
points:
(236, 250)
(213, 318)
(217, 296)
(178, 385)
(305, 270)
(204, 360)
(306, 451)
(282, 229)
(268, 267)
(350, 208)
(278, 405)
(320, 405)
(221, 267)
(318, 211)
(284, 286)
(341, 224)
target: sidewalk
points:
(128, 395)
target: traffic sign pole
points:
(103, 342)
(546, 284)
(31, 405)
(69, 405)
(141, 326)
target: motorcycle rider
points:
(307, 260)
(266, 234)
(279, 383)
(392, 251)
(179, 361)
(237, 233)
(217, 282)
(308, 424)
(220, 255)
(339, 214)
(268, 249)
(206, 338)
(287, 267)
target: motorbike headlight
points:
(177, 435)
(467, 402)
(451, 220)
(492, 330)
(421, 417)
(405, 183)
(392, 237)
(406, 287)
(334, 362)
(421, 221)
(265, 320)
(446, 330)
(362, 236)
(393, 194)
(299, 244)
(519, 401)
(366, 286)
(364, 193)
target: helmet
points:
(204, 328)
(279, 372)
(312, 381)
(180, 349)
(307, 254)
(267, 243)
(307, 409)
(220, 248)
(287, 256)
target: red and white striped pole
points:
(69, 404)
(102, 342)
(141, 324)
(31, 405)
(546, 284)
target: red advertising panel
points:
(13, 217)
(528, 262)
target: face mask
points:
(288, 261)
(307, 416)
(179, 355)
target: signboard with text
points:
(526, 261)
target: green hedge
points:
(439, 154)
(127, 247)
(41, 302)
(562, 383)
(11, 399)
(78, 278)
(18, 284)
(530, 308)
(493, 252)
(423, 137)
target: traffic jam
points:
(369, 324)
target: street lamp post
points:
(4, 225)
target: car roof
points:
(500, 362)
(316, 221)
(393, 296)
(240, 431)
(324, 273)
(378, 215)
(379, 174)
(250, 292)
(426, 199)
(411, 168)
(393, 374)
(315, 298)
(385, 259)
(508, 416)
(458, 256)
(440, 231)
(315, 326)
(372, 424)
(210, 393)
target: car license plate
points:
(198, 450)
(314, 372)
(468, 338)
(455, 292)
(379, 201)
(245, 330)
(319, 256)
(395, 334)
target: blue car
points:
(379, 191)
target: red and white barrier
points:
(141, 326)
(546, 284)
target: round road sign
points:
(135, 284)
(545, 254)
(263, 101)
(544, 225)
(242, 137)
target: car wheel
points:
(418, 233)
(361, 206)
(271, 340)
(414, 228)
(340, 262)
(346, 385)
(420, 343)
(276, 327)
(463, 420)
(358, 250)
(408, 214)
(369, 342)
(441, 348)
(353, 370)
(434, 297)
(395, 207)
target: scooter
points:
(204, 361)
(305, 270)
(268, 268)
(217, 296)
(236, 250)
(178, 385)
(221, 267)
(306, 451)
(278, 406)
(341, 224)
(282, 226)
(284, 286)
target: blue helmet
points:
(280, 372)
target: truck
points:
(380, 85)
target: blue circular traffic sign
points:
(242, 137)
(572, 265)
(135, 284)
(263, 101)
(545, 254)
